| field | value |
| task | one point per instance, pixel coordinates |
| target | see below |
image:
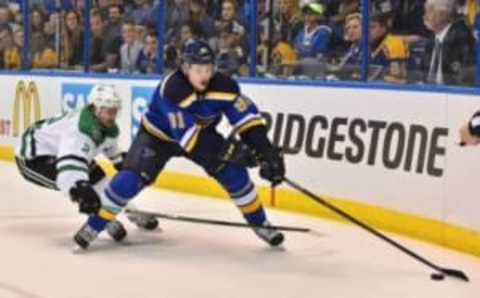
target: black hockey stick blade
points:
(214, 221)
(449, 272)
(455, 273)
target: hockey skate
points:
(116, 230)
(85, 236)
(146, 222)
(271, 236)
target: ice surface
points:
(192, 260)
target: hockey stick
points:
(214, 222)
(444, 271)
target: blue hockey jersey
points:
(178, 113)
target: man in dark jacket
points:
(449, 57)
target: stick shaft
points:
(364, 226)
(215, 222)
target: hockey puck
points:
(437, 276)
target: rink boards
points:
(389, 156)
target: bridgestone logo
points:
(25, 95)
(393, 145)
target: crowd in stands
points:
(409, 40)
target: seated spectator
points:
(348, 66)
(6, 17)
(37, 20)
(147, 60)
(97, 42)
(177, 15)
(198, 15)
(130, 49)
(284, 59)
(142, 13)
(228, 18)
(313, 40)
(50, 30)
(103, 8)
(11, 53)
(345, 8)
(140, 31)
(449, 57)
(42, 46)
(231, 58)
(290, 20)
(72, 48)
(387, 51)
(115, 19)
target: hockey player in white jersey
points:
(58, 153)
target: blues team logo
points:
(74, 96)
(141, 97)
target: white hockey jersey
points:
(75, 139)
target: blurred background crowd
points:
(410, 41)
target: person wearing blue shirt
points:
(181, 120)
(314, 38)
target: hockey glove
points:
(237, 152)
(272, 166)
(86, 197)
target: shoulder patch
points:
(222, 87)
(176, 88)
(89, 126)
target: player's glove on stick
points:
(272, 167)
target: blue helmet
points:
(195, 51)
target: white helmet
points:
(104, 96)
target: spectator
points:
(103, 8)
(115, 18)
(37, 19)
(348, 66)
(345, 8)
(11, 53)
(449, 57)
(187, 32)
(284, 59)
(6, 17)
(72, 47)
(140, 31)
(97, 42)
(231, 58)
(130, 49)
(388, 52)
(147, 60)
(113, 37)
(50, 30)
(142, 13)
(290, 20)
(177, 15)
(228, 18)
(313, 39)
(198, 15)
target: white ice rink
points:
(192, 260)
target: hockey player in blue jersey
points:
(181, 121)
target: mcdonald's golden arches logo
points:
(26, 95)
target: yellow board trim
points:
(445, 234)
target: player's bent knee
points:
(124, 187)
